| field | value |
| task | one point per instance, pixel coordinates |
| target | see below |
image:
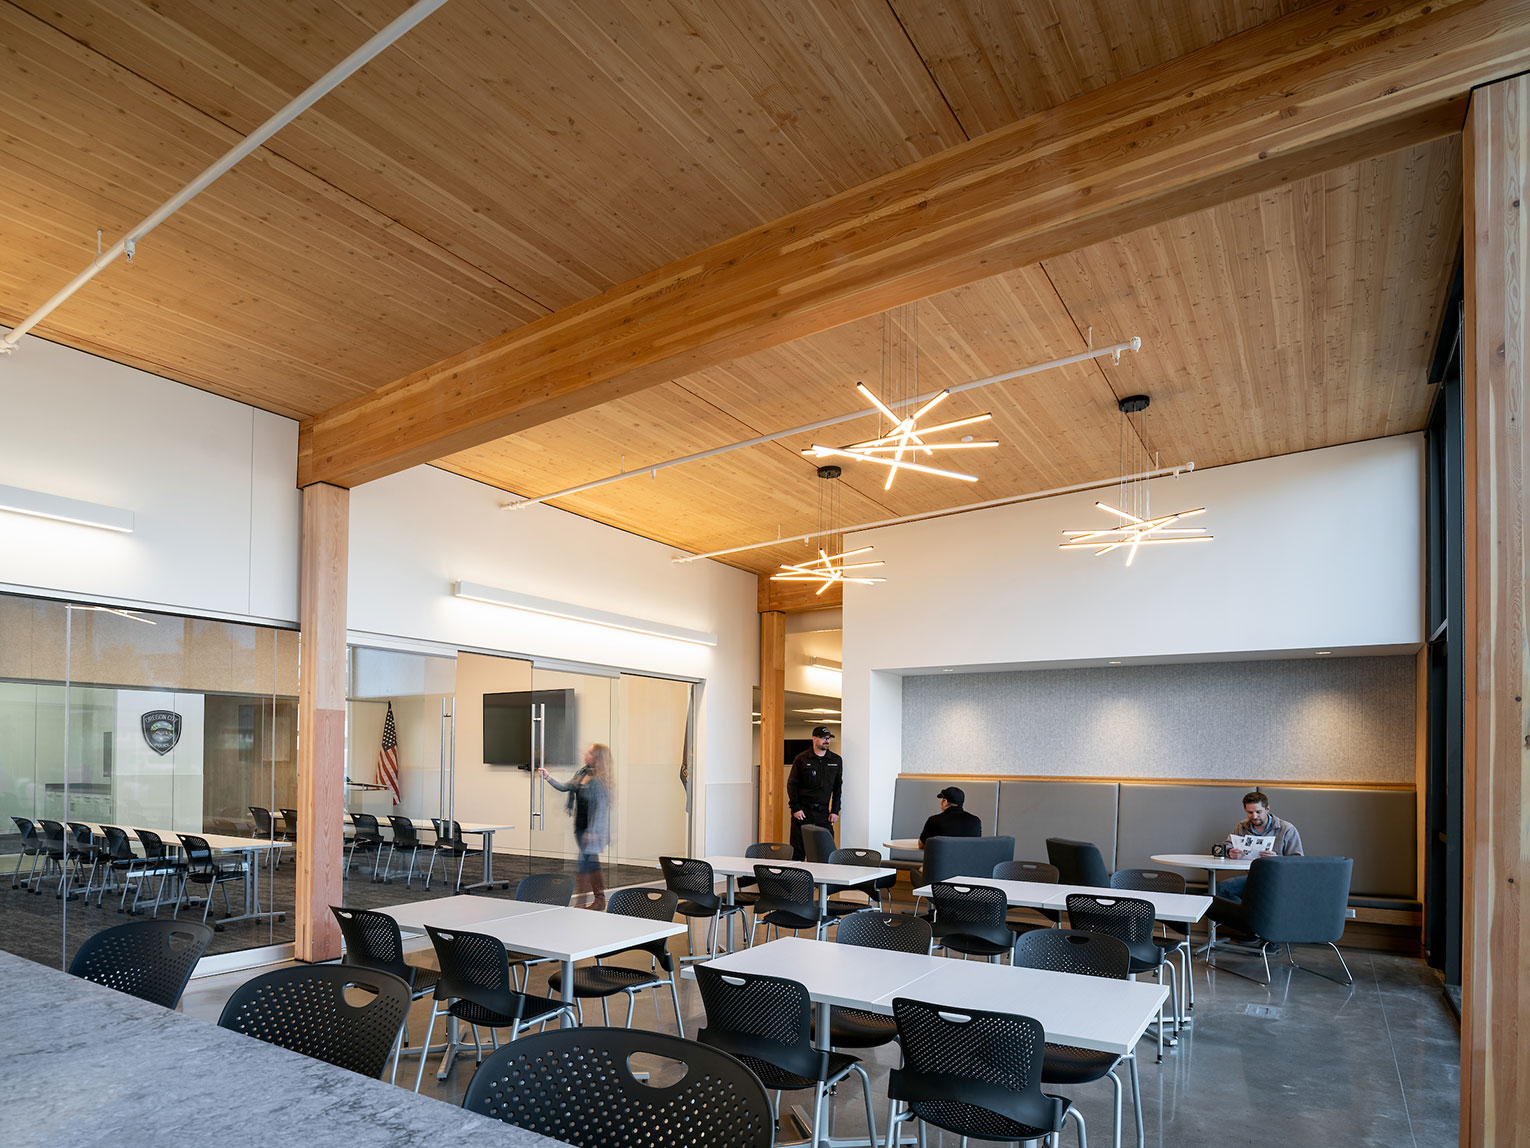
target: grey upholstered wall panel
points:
(1032, 811)
(1309, 719)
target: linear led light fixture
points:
(652, 470)
(496, 597)
(827, 664)
(18, 500)
(1007, 500)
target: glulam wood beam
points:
(1321, 87)
(321, 721)
(797, 597)
(1495, 982)
(772, 724)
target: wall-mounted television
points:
(508, 727)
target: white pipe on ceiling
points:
(300, 104)
(1074, 489)
(1132, 344)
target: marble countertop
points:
(87, 1065)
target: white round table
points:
(1212, 866)
(902, 843)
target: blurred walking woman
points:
(589, 800)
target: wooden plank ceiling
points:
(501, 163)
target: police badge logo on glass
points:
(161, 730)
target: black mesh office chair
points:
(694, 885)
(31, 846)
(1176, 937)
(53, 849)
(373, 941)
(974, 1073)
(744, 893)
(475, 986)
(788, 900)
(151, 960)
(1037, 872)
(1130, 920)
(304, 1009)
(1078, 862)
(449, 844)
(117, 857)
(604, 981)
(1089, 955)
(157, 861)
(367, 838)
(406, 839)
(880, 888)
(767, 1023)
(718, 1101)
(872, 929)
(202, 868)
(971, 919)
(84, 855)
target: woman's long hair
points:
(600, 763)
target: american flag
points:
(387, 757)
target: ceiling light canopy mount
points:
(1136, 525)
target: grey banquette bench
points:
(1132, 820)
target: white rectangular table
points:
(1180, 908)
(248, 847)
(824, 876)
(560, 934)
(1088, 1012)
(460, 912)
(480, 829)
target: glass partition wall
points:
(472, 734)
(157, 725)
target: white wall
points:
(1315, 550)
(414, 534)
(209, 481)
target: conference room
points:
(514, 521)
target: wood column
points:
(1495, 1040)
(772, 723)
(321, 720)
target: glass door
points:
(573, 828)
(399, 766)
(493, 783)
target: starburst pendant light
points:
(907, 440)
(1136, 525)
(830, 566)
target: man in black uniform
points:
(952, 820)
(812, 787)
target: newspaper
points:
(1252, 844)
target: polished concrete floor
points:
(1304, 1061)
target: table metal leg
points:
(488, 881)
(732, 887)
(1211, 925)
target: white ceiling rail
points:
(1161, 472)
(1132, 344)
(300, 104)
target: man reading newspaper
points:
(1279, 839)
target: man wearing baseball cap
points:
(812, 787)
(952, 820)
